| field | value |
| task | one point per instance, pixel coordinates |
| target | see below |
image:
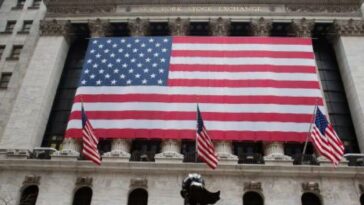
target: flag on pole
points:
(326, 140)
(90, 140)
(205, 148)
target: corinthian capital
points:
(99, 28)
(138, 27)
(302, 27)
(220, 27)
(348, 27)
(179, 27)
(261, 27)
(55, 28)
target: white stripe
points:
(241, 47)
(191, 107)
(242, 61)
(191, 125)
(291, 92)
(243, 76)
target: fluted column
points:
(120, 151)
(362, 8)
(171, 148)
(302, 27)
(261, 27)
(138, 27)
(224, 149)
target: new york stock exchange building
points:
(132, 74)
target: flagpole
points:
(196, 135)
(309, 131)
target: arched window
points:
(252, 198)
(29, 195)
(138, 197)
(310, 199)
(83, 196)
(362, 199)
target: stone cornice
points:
(40, 166)
(348, 28)
(55, 28)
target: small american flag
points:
(204, 146)
(250, 88)
(90, 141)
(326, 140)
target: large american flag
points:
(250, 88)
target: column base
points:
(278, 159)
(169, 157)
(228, 159)
(324, 162)
(116, 156)
(66, 155)
(17, 154)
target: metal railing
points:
(355, 159)
(250, 158)
(139, 156)
(306, 159)
(191, 157)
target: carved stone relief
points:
(310, 187)
(55, 28)
(261, 27)
(31, 180)
(302, 27)
(138, 183)
(99, 28)
(179, 27)
(84, 181)
(253, 186)
(220, 26)
(138, 27)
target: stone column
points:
(302, 27)
(138, 27)
(362, 8)
(349, 48)
(120, 149)
(28, 120)
(171, 148)
(224, 149)
(261, 27)
(99, 28)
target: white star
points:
(133, 60)
(154, 64)
(101, 46)
(95, 65)
(163, 60)
(146, 70)
(104, 60)
(98, 55)
(160, 81)
(152, 76)
(165, 40)
(135, 50)
(107, 76)
(144, 81)
(116, 70)
(94, 42)
(141, 55)
(125, 65)
(92, 51)
(108, 41)
(147, 60)
(109, 65)
(137, 75)
(121, 50)
(101, 71)
(113, 82)
(98, 82)
(118, 60)
(127, 55)
(137, 40)
(115, 45)
(142, 45)
(131, 70)
(129, 45)
(122, 76)
(106, 51)
(128, 81)
(156, 54)
(112, 55)
(161, 71)
(122, 40)
(83, 82)
(139, 65)
(164, 50)
(92, 76)
(149, 50)
(89, 61)
(157, 44)
(87, 71)
(151, 40)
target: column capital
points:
(349, 27)
(302, 27)
(261, 27)
(220, 26)
(138, 27)
(99, 28)
(55, 28)
(179, 27)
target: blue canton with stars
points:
(129, 61)
(321, 122)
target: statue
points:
(194, 192)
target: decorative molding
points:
(253, 186)
(138, 27)
(99, 28)
(306, 8)
(138, 183)
(55, 28)
(84, 181)
(261, 27)
(348, 28)
(302, 27)
(220, 26)
(179, 27)
(31, 180)
(310, 187)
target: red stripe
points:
(242, 40)
(191, 134)
(210, 164)
(244, 83)
(243, 68)
(138, 115)
(226, 54)
(283, 100)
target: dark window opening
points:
(280, 29)
(27, 25)
(10, 25)
(362, 199)
(119, 29)
(29, 195)
(36, 4)
(199, 29)
(249, 152)
(310, 199)
(159, 29)
(252, 198)
(2, 49)
(15, 52)
(83, 196)
(138, 197)
(104, 146)
(188, 149)
(295, 150)
(240, 29)
(19, 5)
(144, 150)
(4, 80)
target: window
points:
(29, 195)
(159, 29)
(2, 48)
(4, 80)
(15, 53)
(144, 150)
(252, 198)
(138, 197)
(27, 25)
(199, 29)
(249, 152)
(188, 149)
(83, 196)
(19, 5)
(295, 151)
(36, 4)
(310, 199)
(9, 27)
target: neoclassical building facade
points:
(35, 157)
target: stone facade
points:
(25, 106)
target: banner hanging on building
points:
(249, 88)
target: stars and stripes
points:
(204, 146)
(90, 141)
(326, 140)
(250, 88)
